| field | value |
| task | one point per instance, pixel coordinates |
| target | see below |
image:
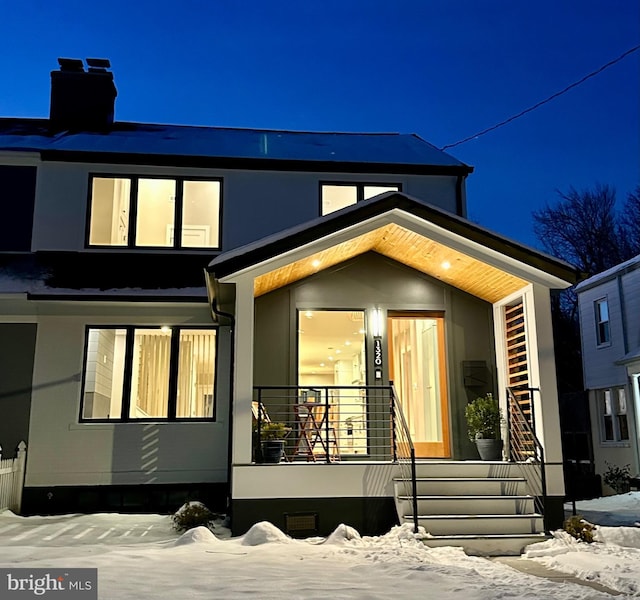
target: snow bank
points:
(264, 533)
(344, 533)
(197, 535)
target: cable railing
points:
(324, 424)
(524, 446)
(404, 454)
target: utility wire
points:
(549, 99)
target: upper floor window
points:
(603, 331)
(133, 373)
(335, 196)
(146, 212)
(613, 411)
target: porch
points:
(332, 472)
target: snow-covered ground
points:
(140, 557)
(614, 559)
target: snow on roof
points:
(624, 267)
(221, 142)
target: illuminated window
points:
(145, 212)
(339, 195)
(603, 331)
(613, 410)
(149, 373)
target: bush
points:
(617, 477)
(580, 529)
(192, 514)
(484, 418)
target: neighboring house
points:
(609, 305)
(164, 290)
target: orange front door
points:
(418, 369)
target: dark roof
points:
(295, 237)
(141, 143)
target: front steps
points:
(480, 505)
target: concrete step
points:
(445, 486)
(467, 468)
(487, 545)
(467, 505)
(479, 524)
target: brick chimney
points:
(82, 100)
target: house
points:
(609, 309)
(166, 291)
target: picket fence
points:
(12, 479)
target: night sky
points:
(443, 69)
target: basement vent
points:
(299, 524)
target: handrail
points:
(401, 437)
(525, 447)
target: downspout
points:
(232, 326)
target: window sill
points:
(615, 444)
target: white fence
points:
(12, 479)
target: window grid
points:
(612, 404)
(146, 212)
(335, 195)
(603, 330)
(149, 373)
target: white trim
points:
(413, 223)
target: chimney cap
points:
(71, 64)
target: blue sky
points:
(443, 69)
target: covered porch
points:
(427, 290)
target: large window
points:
(613, 411)
(147, 212)
(135, 373)
(603, 331)
(335, 196)
(331, 352)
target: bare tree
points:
(583, 229)
(630, 223)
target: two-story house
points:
(609, 308)
(166, 291)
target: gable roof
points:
(143, 143)
(625, 267)
(405, 229)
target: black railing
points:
(325, 423)
(404, 454)
(524, 446)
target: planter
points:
(272, 451)
(489, 449)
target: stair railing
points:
(525, 449)
(404, 453)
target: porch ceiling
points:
(410, 248)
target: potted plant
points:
(484, 418)
(272, 441)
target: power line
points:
(549, 99)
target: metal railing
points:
(404, 454)
(325, 424)
(525, 448)
(331, 424)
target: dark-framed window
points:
(146, 212)
(335, 195)
(136, 373)
(603, 329)
(612, 405)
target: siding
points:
(254, 203)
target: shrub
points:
(617, 477)
(192, 514)
(580, 529)
(273, 431)
(484, 418)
